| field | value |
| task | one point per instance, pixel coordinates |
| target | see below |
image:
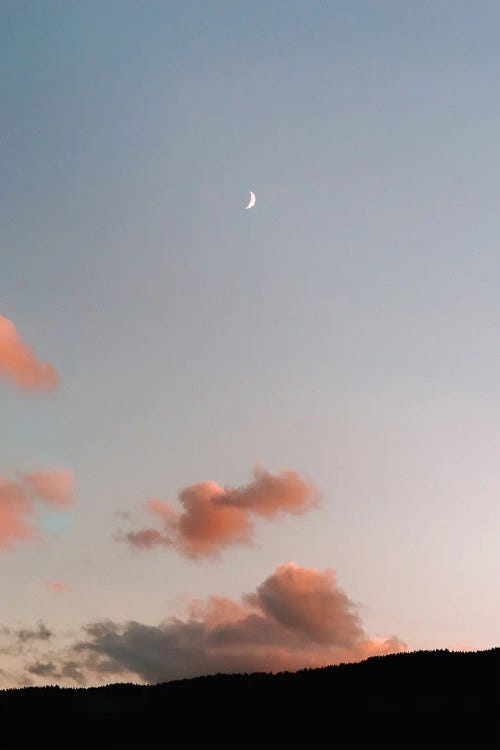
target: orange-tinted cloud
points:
(19, 363)
(311, 603)
(17, 503)
(16, 513)
(214, 517)
(55, 486)
(298, 617)
(57, 585)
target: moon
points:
(252, 201)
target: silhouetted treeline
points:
(425, 699)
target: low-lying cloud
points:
(19, 364)
(40, 633)
(214, 517)
(18, 499)
(298, 617)
(19, 641)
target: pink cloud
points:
(18, 503)
(57, 586)
(19, 364)
(55, 486)
(298, 617)
(16, 513)
(214, 517)
(310, 602)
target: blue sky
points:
(346, 327)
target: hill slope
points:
(423, 699)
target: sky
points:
(202, 403)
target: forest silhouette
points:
(423, 699)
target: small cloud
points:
(57, 586)
(40, 633)
(18, 503)
(125, 515)
(147, 538)
(55, 486)
(16, 515)
(19, 364)
(67, 669)
(214, 517)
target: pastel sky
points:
(193, 395)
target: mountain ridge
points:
(411, 699)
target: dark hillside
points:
(426, 699)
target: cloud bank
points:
(298, 617)
(19, 364)
(18, 502)
(214, 517)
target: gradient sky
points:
(346, 327)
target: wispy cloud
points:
(40, 633)
(57, 586)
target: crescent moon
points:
(252, 201)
